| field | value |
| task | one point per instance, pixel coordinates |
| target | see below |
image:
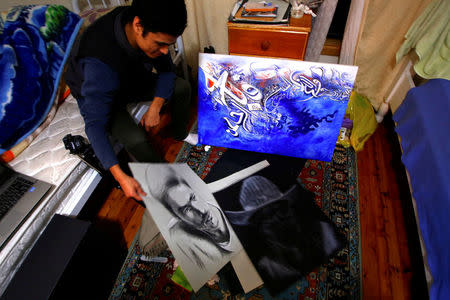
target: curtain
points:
(207, 26)
(319, 30)
(351, 33)
(383, 27)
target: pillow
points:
(35, 41)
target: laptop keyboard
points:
(12, 194)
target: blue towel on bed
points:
(35, 42)
(423, 124)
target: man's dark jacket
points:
(105, 72)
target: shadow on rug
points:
(336, 193)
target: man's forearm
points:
(157, 104)
(117, 173)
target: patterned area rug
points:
(336, 193)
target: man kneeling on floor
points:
(111, 65)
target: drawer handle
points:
(265, 45)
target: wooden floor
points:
(391, 260)
(391, 263)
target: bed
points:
(39, 150)
(422, 124)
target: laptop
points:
(19, 194)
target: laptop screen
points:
(278, 106)
(5, 173)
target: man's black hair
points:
(166, 16)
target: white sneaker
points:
(192, 139)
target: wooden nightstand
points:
(270, 40)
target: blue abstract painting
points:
(278, 106)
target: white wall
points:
(6, 4)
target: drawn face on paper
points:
(196, 212)
(189, 218)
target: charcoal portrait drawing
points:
(192, 223)
(277, 106)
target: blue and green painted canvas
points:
(278, 106)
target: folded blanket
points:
(35, 42)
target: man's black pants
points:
(134, 137)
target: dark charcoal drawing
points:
(277, 221)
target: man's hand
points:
(132, 188)
(151, 117)
(129, 185)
